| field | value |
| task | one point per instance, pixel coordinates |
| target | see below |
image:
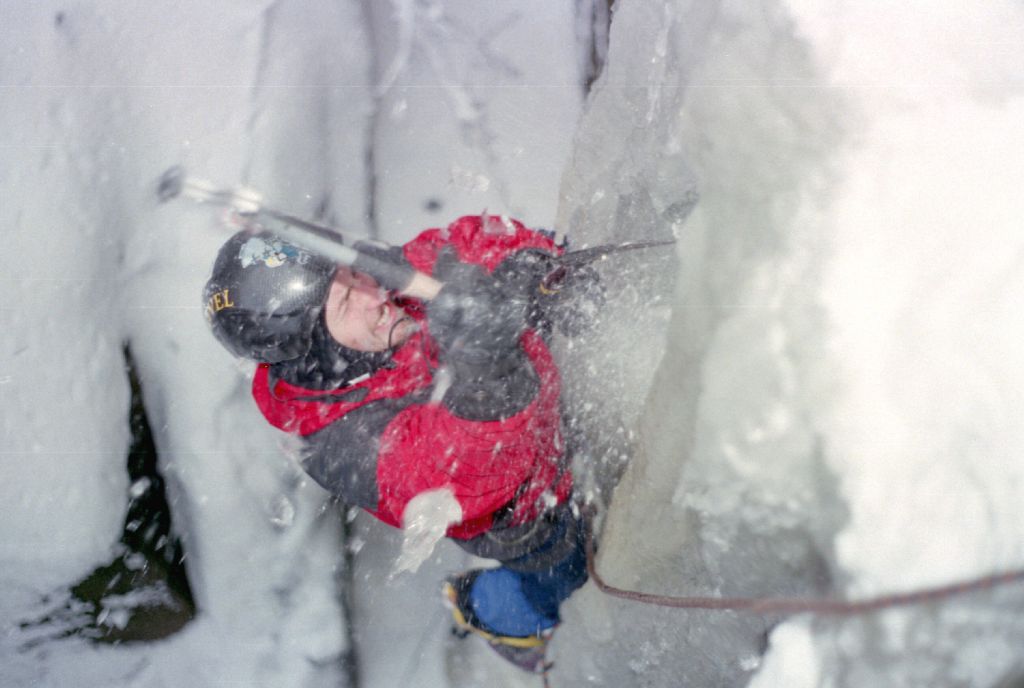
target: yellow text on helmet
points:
(218, 302)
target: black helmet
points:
(265, 296)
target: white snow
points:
(820, 396)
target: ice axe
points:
(564, 264)
(363, 255)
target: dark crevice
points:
(372, 122)
(144, 593)
(255, 91)
(346, 584)
(598, 17)
(370, 165)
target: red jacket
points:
(515, 463)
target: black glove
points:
(475, 317)
(572, 300)
(569, 297)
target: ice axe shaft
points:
(603, 252)
(316, 238)
(328, 242)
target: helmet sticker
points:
(270, 252)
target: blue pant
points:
(523, 595)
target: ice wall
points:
(920, 293)
(834, 408)
(51, 420)
(477, 105)
(98, 100)
(726, 492)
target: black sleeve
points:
(477, 320)
(493, 390)
(342, 457)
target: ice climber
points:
(395, 398)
